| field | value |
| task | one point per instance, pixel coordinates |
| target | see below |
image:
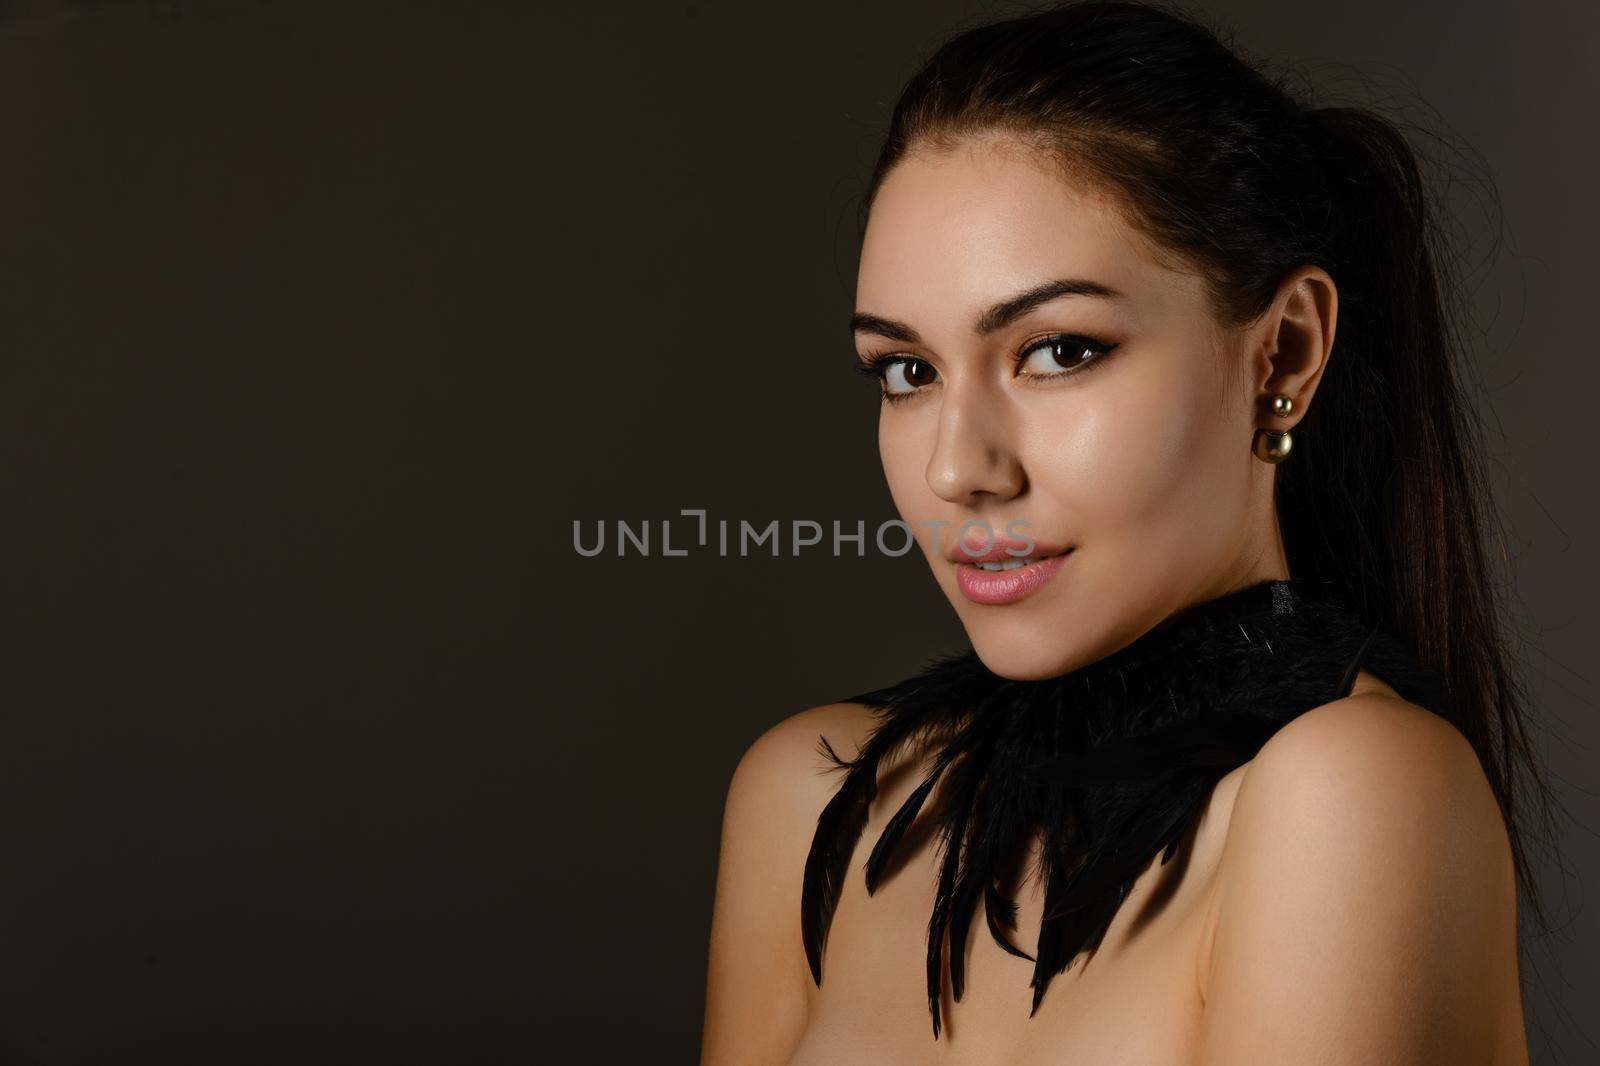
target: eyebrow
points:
(994, 318)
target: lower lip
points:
(1007, 586)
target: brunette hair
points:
(1386, 494)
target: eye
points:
(900, 375)
(1060, 354)
(904, 375)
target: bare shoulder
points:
(1365, 887)
(1371, 764)
(1388, 743)
(780, 785)
(757, 974)
(785, 766)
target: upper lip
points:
(1003, 548)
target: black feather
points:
(967, 869)
(890, 837)
(1108, 766)
(838, 829)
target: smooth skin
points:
(1347, 897)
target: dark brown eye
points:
(908, 375)
(1063, 353)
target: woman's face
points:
(1111, 431)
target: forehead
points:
(954, 229)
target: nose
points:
(972, 458)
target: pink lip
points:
(1000, 547)
(1007, 586)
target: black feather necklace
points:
(1109, 764)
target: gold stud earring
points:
(1272, 447)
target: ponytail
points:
(1390, 497)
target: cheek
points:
(905, 452)
(905, 445)
(1149, 456)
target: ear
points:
(1296, 339)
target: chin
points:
(1023, 663)
(1017, 643)
(1020, 666)
(1026, 649)
(1044, 638)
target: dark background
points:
(320, 324)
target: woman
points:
(1235, 769)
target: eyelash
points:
(877, 364)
